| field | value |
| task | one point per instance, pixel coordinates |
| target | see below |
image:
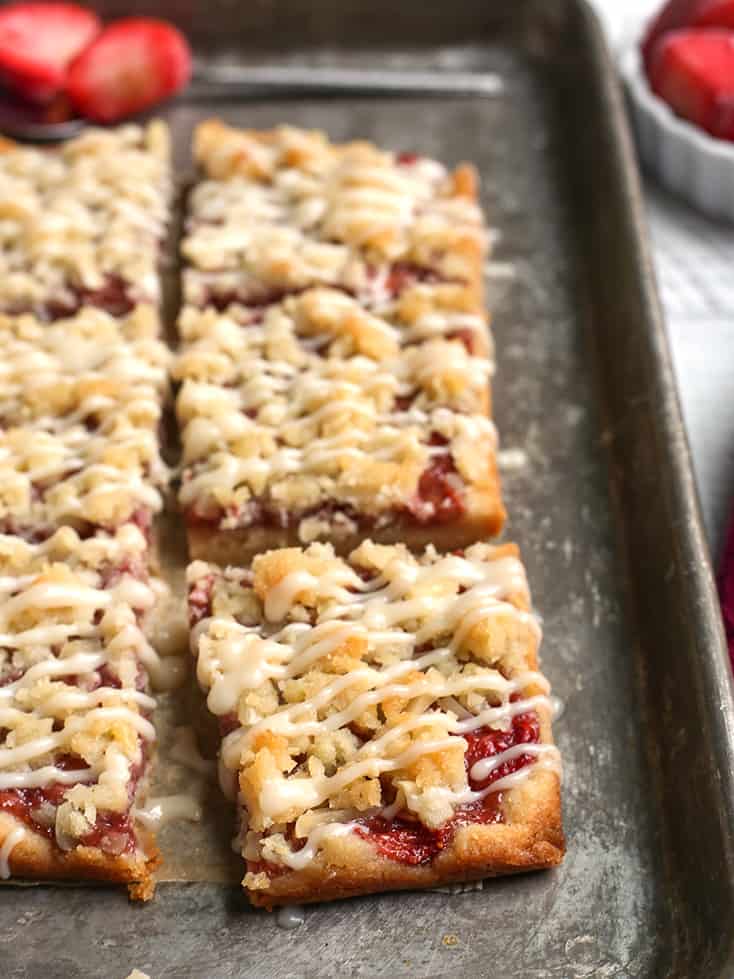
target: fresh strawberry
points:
(133, 64)
(687, 13)
(693, 71)
(37, 43)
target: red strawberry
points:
(687, 13)
(37, 43)
(693, 71)
(133, 64)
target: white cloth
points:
(623, 19)
(694, 258)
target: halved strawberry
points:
(133, 64)
(693, 71)
(37, 43)
(687, 13)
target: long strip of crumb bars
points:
(384, 724)
(75, 707)
(80, 409)
(353, 398)
(83, 380)
(82, 224)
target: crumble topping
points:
(83, 378)
(287, 209)
(74, 701)
(83, 223)
(352, 690)
(89, 368)
(81, 407)
(320, 403)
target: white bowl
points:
(688, 161)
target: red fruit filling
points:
(467, 337)
(409, 841)
(402, 275)
(258, 295)
(114, 297)
(440, 498)
(36, 533)
(200, 599)
(113, 832)
(413, 843)
(22, 803)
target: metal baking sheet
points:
(599, 487)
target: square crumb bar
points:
(318, 420)
(80, 410)
(280, 211)
(76, 735)
(384, 724)
(83, 224)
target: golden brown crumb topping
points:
(80, 217)
(347, 685)
(287, 209)
(319, 403)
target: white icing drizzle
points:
(290, 916)
(290, 210)
(96, 207)
(9, 844)
(298, 859)
(262, 416)
(559, 707)
(80, 402)
(169, 808)
(185, 750)
(451, 595)
(58, 705)
(481, 769)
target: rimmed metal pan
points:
(601, 496)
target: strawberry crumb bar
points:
(318, 420)
(384, 724)
(80, 410)
(83, 224)
(278, 212)
(75, 730)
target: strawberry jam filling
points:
(256, 295)
(34, 532)
(115, 297)
(413, 843)
(439, 498)
(24, 804)
(112, 832)
(440, 495)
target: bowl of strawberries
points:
(680, 81)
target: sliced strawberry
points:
(693, 71)
(37, 43)
(687, 13)
(133, 64)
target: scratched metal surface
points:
(601, 500)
